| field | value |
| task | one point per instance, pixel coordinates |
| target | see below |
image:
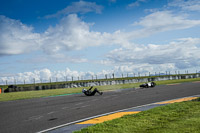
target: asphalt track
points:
(34, 115)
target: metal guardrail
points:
(14, 88)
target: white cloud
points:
(28, 77)
(16, 37)
(154, 23)
(177, 55)
(165, 21)
(136, 3)
(180, 54)
(70, 34)
(188, 5)
(78, 7)
(46, 75)
(74, 34)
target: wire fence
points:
(16, 81)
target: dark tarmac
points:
(34, 115)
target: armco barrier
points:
(14, 88)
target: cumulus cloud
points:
(16, 37)
(154, 23)
(164, 21)
(78, 7)
(46, 75)
(70, 34)
(181, 54)
(188, 5)
(43, 75)
(74, 34)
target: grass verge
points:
(181, 117)
(55, 92)
(46, 93)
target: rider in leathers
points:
(89, 92)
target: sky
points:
(58, 40)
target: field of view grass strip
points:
(177, 118)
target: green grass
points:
(181, 117)
(54, 92)
(177, 81)
(45, 93)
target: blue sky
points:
(79, 38)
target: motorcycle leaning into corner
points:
(147, 85)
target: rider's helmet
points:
(84, 90)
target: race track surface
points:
(34, 115)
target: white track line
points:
(70, 123)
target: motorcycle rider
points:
(89, 92)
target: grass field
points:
(181, 117)
(53, 92)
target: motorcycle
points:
(147, 85)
